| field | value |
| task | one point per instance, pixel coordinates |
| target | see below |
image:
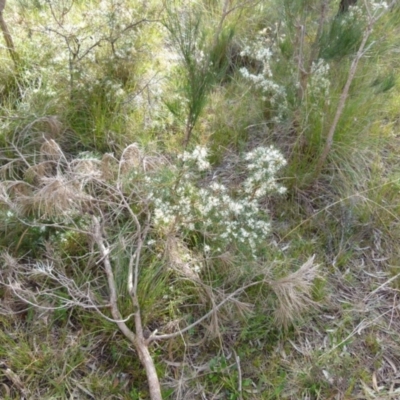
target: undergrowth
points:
(245, 153)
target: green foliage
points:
(342, 38)
(204, 58)
(234, 78)
(91, 113)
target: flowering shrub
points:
(359, 13)
(319, 84)
(142, 213)
(198, 156)
(180, 200)
(220, 216)
(262, 52)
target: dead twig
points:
(343, 97)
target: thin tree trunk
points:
(145, 358)
(137, 339)
(7, 36)
(342, 102)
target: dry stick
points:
(345, 93)
(302, 72)
(133, 279)
(240, 384)
(7, 36)
(305, 70)
(225, 13)
(137, 340)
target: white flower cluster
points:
(319, 82)
(202, 61)
(199, 156)
(263, 164)
(354, 15)
(213, 211)
(262, 52)
(232, 219)
(378, 5)
(175, 207)
(357, 14)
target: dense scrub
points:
(198, 199)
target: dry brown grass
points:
(294, 293)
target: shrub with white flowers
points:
(222, 216)
(262, 52)
(319, 84)
(198, 156)
(358, 14)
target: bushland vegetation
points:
(199, 199)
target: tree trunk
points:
(7, 35)
(151, 372)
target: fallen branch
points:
(137, 339)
